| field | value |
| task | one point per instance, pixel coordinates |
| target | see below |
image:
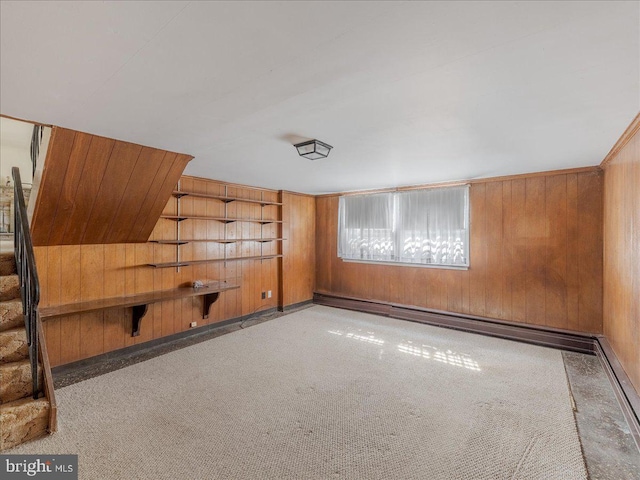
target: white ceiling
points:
(407, 93)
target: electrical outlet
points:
(269, 294)
(193, 324)
(263, 295)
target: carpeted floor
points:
(327, 393)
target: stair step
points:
(13, 345)
(7, 263)
(23, 420)
(9, 287)
(11, 315)
(15, 380)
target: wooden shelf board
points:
(170, 242)
(214, 260)
(216, 240)
(140, 302)
(133, 300)
(222, 198)
(180, 218)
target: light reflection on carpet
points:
(428, 352)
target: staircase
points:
(22, 418)
(27, 401)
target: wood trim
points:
(48, 379)
(544, 336)
(26, 121)
(520, 176)
(395, 189)
(547, 173)
(626, 136)
(627, 397)
(299, 193)
(231, 185)
(582, 342)
(294, 306)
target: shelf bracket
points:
(208, 300)
(139, 311)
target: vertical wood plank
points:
(519, 265)
(91, 288)
(478, 256)
(494, 235)
(535, 204)
(70, 292)
(114, 286)
(556, 266)
(54, 294)
(589, 246)
(573, 255)
(508, 274)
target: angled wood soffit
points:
(96, 190)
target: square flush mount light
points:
(313, 149)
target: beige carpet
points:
(327, 393)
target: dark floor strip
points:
(608, 446)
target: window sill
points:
(404, 264)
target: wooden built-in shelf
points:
(217, 240)
(223, 198)
(178, 194)
(140, 302)
(186, 263)
(180, 218)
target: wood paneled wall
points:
(622, 251)
(299, 261)
(96, 190)
(71, 273)
(536, 256)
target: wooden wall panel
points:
(622, 251)
(95, 164)
(71, 273)
(96, 190)
(60, 146)
(298, 264)
(535, 258)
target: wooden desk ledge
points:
(141, 301)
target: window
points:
(426, 227)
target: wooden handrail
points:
(27, 274)
(48, 381)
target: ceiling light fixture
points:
(313, 149)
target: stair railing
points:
(36, 140)
(26, 267)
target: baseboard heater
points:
(581, 342)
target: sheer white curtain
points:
(433, 226)
(365, 230)
(428, 226)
